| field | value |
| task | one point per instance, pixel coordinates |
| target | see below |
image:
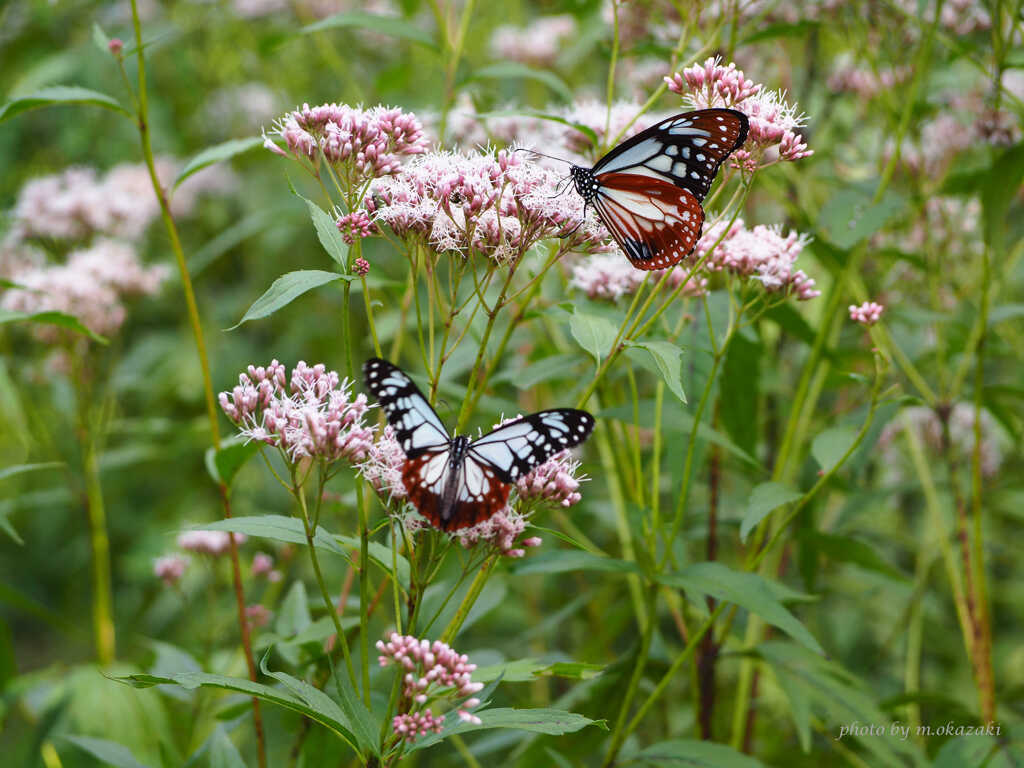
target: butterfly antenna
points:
(541, 154)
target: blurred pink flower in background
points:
(927, 424)
(170, 568)
(538, 43)
(867, 313)
(208, 542)
(91, 286)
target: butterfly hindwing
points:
(514, 449)
(685, 150)
(655, 223)
(416, 425)
(453, 495)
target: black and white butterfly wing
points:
(453, 495)
(513, 449)
(685, 150)
(416, 425)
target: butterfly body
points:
(456, 482)
(648, 190)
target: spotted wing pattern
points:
(513, 449)
(685, 150)
(416, 425)
(655, 223)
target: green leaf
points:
(668, 358)
(23, 468)
(595, 334)
(966, 752)
(392, 26)
(1000, 188)
(109, 752)
(513, 70)
(293, 614)
(565, 560)
(692, 753)
(1005, 312)
(51, 318)
(328, 235)
(850, 216)
(765, 499)
(223, 752)
(554, 722)
(224, 463)
(287, 699)
(365, 724)
(850, 550)
(57, 95)
(285, 289)
(523, 670)
(747, 590)
(12, 533)
(99, 37)
(217, 154)
(740, 388)
(278, 528)
(831, 445)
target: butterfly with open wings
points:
(648, 190)
(456, 482)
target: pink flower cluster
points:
(432, 671)
(501, 532)
(313, 416)
(537, 44)
(960, 418)
(355, 225)
(773, 121)
(170, 568)
(762, 253)
(866, 82)
(78, 203)
(610, 276)
(212, 543)
(867, 313)
(497, 205)
(554, 481)
(90, 286)
(370, 142)
(382, 466)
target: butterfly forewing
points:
(655, 223)
(513, 449)
(416, 425)
(685, 150)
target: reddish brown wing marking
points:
(425, 488)
(657, 224)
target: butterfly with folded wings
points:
(648, 190)
(456, 482)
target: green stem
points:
(467, 602)
(142, 116)
(102, 592)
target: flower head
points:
(208, 542)
(610, 276)
(432, 672)
(313, 416)
(501, 531)
(382, 466)
(537, 44)
(369, 142)
(170, 568)
(496, 204)
(867, 313)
